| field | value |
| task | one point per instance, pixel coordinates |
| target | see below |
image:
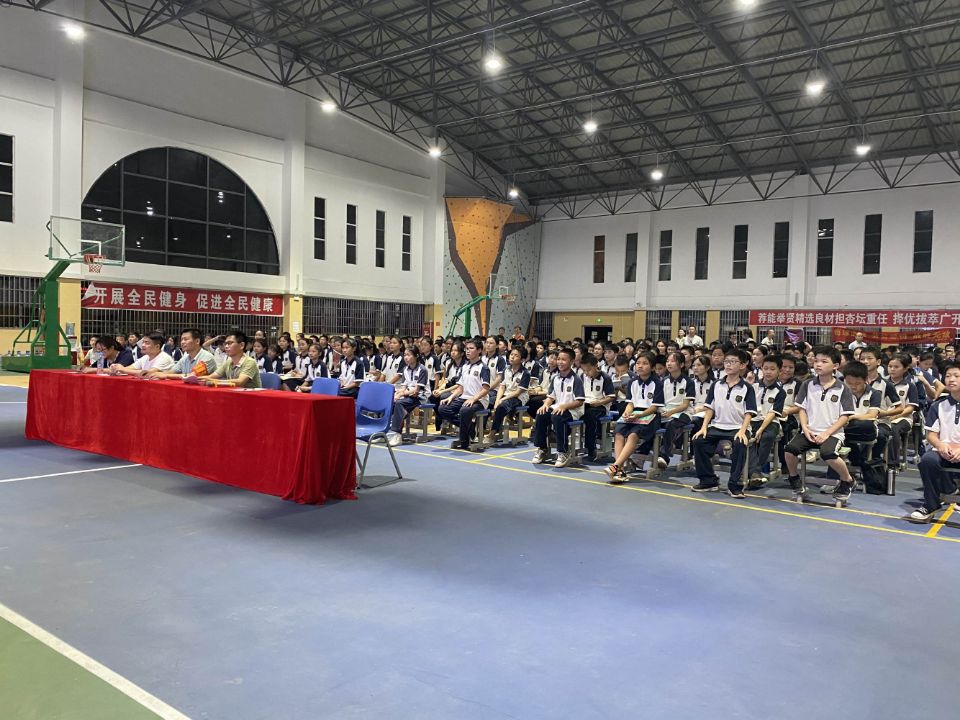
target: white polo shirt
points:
(906, 390)
(770, 398)
(789, 393)
(730, 404)
(825, 406)
(566, 389)
(697, 391)
(645, 393)
(162, 362)
(474, 377)
(943, 418)
(675, 392)
(415, 378)
(870, 400)
(513, 381)
(598, 388)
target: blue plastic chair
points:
(374, 411)
(270, 381)
(325, 386)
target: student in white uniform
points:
(942, 424)
(675, 413)
(512, 391)
(470, 395)
(640, 421)
(410, 391)
(564, 402)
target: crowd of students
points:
(741, 397)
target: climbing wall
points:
(484, 238)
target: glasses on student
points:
(731, 361)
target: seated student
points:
(537, 394)
(942, 424)
(766, 423)
(195, 360)
(638, 425)
(826, 406)
(92, 355)
(512, 391)
(429, 360)
(111, 353)
(387, 367)
(352, 369)
(788, 422)
(410, 391)
(314, 368)
(717, 356)
(287, 353)
(470, 395)
(598, 395)
(450, 371)
(260, 353)
(730, 405)
(532, 364)
(660, 366)
(239, 369)
(678, 395)
(153, 358)
(563, 403)
(273, 363)
(621, 380)
(901, 423)
(756, 359)
(495, 362)
(698, 387)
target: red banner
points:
(857, 318)
(149, 297)
(930, 337)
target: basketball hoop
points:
(509, 299)
(93, 262)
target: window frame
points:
(741, 249)
(599, 257)
(380, 245)
(701, 261)
(351, 236)
(9, 215)
(406, 245)
(319, 221)
(922, 257)
(824, 258)
(872, 244)
(665, 249)
(630, 258)
(781, 249)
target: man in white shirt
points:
(153, 357)
(770, 339)
(196, 360)
(858, 342)
(691, 338)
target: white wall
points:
(126, 95)
(566, 270)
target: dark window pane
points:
(187, 201)
(186, 238)
(599, 241)
(598, 267)
(381, 258)
(100, 215)
(147, 162)
(352, 214)
(138, 256)
(381, 220)
(6, 208)
(262, 269)
(6, 178)
(871, 264)
(666, 254)
(405, 262)
(873, 224)
(779, 267)
(226, 243)
(319, 249)
(406, 224)
(143, 195)
(922, 261)
(871, 245)
(664, 273)
(825, 227)
(319, 228)
(106, 190)
(225, 208)
(256, 215)
(222, 178)
(824, 267)
(145, 232)
(923, 242)
(630, 259)
(234, 265)
(351, 254)
(186, 261)
(188, 166)
(319, 208)
(261, 247)
(6, 149)
(406, 244)
(923, 220)
(352, 235)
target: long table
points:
(296, 446)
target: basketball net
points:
(93, 263)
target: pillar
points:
(293, 315)
(712, 330)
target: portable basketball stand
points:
(42, 343)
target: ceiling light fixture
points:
(863, 149)
(590, 126)
(435, 151)
(747, 4)
(656, 174)
(328, 106)
(513, 193)
(74, 31)
(493, 63)
(815, 86)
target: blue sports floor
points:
(481, 587)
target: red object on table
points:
(296, 446)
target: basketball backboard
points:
(71, 240)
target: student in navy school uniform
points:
(411, 389)
(564, 402)
(899, 370)
(607, 363)
(942, 424)
(717, 357)
(430, 361)
(766, 423)
(495, 362)
(698, 387)
(637, 427)
(512, 391)
(470, 395)
(678, 398)
(538, 394)
(598, 394)
(621, 380)
(314, 368)
(352, 369)
(387, 367)
(731, 403)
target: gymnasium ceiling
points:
(702, 89)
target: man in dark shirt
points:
(111, 353)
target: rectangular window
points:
(872, 227)
(630, 259)
(825, 248)
(701, 261)
(407, 243)
(781, 249)
(351, 234)
(599, 243)
(319, 229)
(381, 239)
(740, 251)
(6, 178)
(922, 241)
(666, 254)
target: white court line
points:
(134, 692)
(70, 472)
(13, 402)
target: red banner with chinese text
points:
(114, 296)
(857, 318)
(929, 337)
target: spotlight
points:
(493, 63)
(328, 106)
(862, 149)
(435, 151)
(656, 174)
(815, 87)
(590, 126)
(747, 4)
(74, 31)
(513, 193)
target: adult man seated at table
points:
(239, 369)
(110, 354)
(196, 360)
(153, 358)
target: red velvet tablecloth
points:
(293, 445)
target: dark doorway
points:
(598, 333)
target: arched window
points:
(183, 208)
